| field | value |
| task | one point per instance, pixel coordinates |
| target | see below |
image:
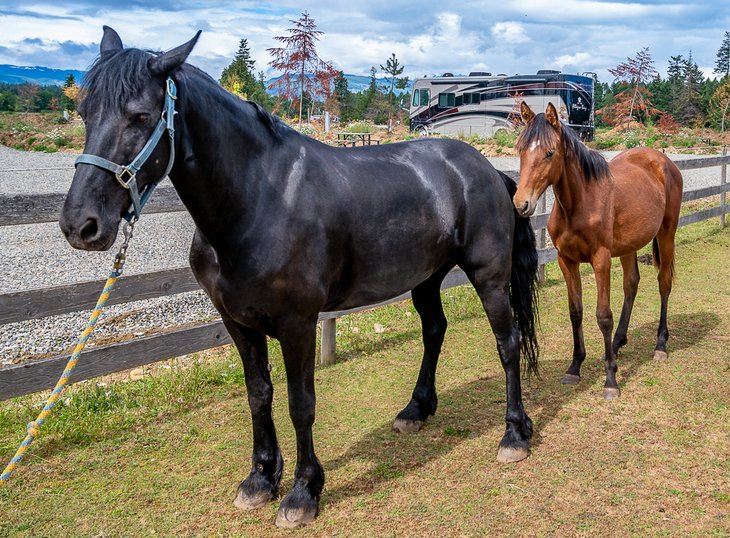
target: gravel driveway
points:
(38, 256)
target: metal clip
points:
(121, 257)
(120, 177)
(170, 88)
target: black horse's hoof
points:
(297, 509)
(508, 454)
(570, 379)
(247, 502)
(611, 393)
(402, 425)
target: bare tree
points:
(636, 72)
(304, 73)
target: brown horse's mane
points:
(590, 162)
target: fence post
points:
(541, 237)
(723, 181)
(329, 342)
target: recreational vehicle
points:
(483, 104)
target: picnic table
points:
(352, 139)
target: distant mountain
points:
(45, 76)
(355, 83)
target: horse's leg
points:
(262, 483)
(601, 262)
(297, 336)
(665, 245)
(571, 273)
(427, 302)
(492, 290)
(631, 283)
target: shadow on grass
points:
(478, 407)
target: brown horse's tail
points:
(657, 259)
(523, 286)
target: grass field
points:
(164, 455)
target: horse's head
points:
(124, 93)
(541, 157)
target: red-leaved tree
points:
(304, 73)
(634, 100)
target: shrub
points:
(360, 127)
(505, 138)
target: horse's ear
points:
(527, 113)
(167, 62)
(111, 41)
(551, 115)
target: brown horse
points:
(602, 211)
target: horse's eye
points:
(141, 118)
(549, 154)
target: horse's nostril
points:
(525, 207)
(90, 230)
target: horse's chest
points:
(574, 242)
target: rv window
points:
(415, 98)
(467, 98)
(475, 98)
(425, 97)
(447, 100)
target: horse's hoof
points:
(402, 425)
(660, 355)
(251, 502)
(291, 518)
(509, 454)
(570, 379)
(610, 393)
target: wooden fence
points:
(26, 378)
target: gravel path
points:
(38, 256)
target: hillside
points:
(45, 76)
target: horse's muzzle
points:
(524, 209)
(91, 234)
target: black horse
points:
(288, 227)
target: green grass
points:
(164, 455)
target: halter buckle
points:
(120, 177)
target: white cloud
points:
(510, 32)
(579, 59)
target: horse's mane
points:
(117, 76)
(114, 78)
(592, 163)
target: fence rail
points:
(25, 378)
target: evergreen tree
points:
(239, 77)
(70, 93)
(366, 98)
(675, 78)
(343, 98)
(722, 64)
(689, 103)
(393, 69)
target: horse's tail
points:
(523, 285)
(657, 259)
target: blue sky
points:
(428, 37)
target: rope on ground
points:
(33, 428)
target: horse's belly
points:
(632, 234)
(377, 288)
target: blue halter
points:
(127, 175)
